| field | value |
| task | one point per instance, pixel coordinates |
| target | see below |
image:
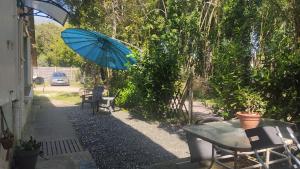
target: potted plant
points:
(7, 141)
(252, 105)
(26, 154)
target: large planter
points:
(26, 159)
(201, 151)
(248, 121)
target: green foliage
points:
(250, 101)
(158, 75)
(93, 75)
(229, 75)
(270, 66)
(280, 85)
(28, 145)
(244, 48)
(128, 97)
(51, 48)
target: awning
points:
(52, 9)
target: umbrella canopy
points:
(98, 48)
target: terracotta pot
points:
(247, 120)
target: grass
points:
(72, 83)
(67, 97)
(76, 84)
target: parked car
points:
(59, 78)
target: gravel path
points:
(119, 141)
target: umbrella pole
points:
(108, 81)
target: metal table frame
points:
(208, 132)
(237, 154)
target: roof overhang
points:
(52, 9)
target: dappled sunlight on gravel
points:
(119, 141)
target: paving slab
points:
(80, 160)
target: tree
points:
(234, 44)
(51, 48)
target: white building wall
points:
(8, 63)
(18, 105)
(8, 49)
(12, 72)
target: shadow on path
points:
(111, 142)
(49, 124)
(114, 144)
(49, 119)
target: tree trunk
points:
(114, 15)
(297, 44)
(297, 22)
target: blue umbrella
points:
(98, 48)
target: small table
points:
(109, 103)
(229, 135)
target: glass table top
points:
(229, 134)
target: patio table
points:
(230, 136)
(109, 103)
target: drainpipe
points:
(18, 105)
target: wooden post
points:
(191, 96)
(71, 74)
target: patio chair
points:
(294, 137)
(269, 139)
(93, 98)
(200, 150)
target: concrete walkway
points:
(49, 124)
